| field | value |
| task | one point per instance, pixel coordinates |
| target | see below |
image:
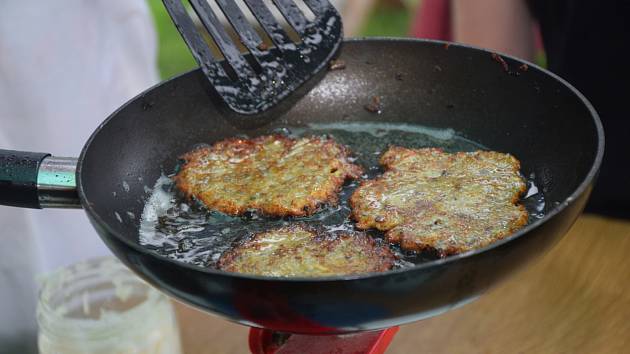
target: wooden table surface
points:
(575, 299)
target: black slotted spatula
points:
(252, 86)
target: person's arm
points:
(502, 25)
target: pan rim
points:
(581, 188)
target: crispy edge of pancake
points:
(379, 257)
(408, 241)
(394, 224)
(244, 147)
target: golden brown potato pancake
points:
(428, 199)
(273, 174)
(301, 251)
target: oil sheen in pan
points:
(192, 234)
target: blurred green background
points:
(174, 58)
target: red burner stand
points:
(262, 341)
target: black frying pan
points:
(508, 107)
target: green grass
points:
(387, 21)
(174, 57)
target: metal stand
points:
(262, 341)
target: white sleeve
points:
(64, 67)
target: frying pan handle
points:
(37, 180)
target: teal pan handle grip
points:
(37, 180)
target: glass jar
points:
(98, 307)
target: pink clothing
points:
(432, 20)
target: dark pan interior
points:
(513, 108)
(522, 112)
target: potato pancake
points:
(273, 174)
(428, 199)
(301, 251)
